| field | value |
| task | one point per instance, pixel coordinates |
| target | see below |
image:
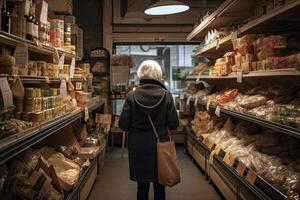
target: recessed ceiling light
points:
(166, 7)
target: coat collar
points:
(152, 81)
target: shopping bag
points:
(167, 162)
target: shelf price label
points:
(6, 93)
(207, 105)
(198, 78)
(229, 159)
(78, 86)
(72, 68)
(211, 157)
(63, 88)
(61, 61)
(239, 76)
(86, 113)
(217, 111)
(218, 149)
(240, 169)
(251, 177)
(196, 102)
(188, 101)
(55, 56)
(218, 44)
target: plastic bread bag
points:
(262, 112)
(292, 185)
(253, 101)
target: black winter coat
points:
(152, 98)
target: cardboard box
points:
(61, 6)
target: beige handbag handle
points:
(154, 129)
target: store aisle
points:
(113, 183)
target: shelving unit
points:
(226, 177)
(253, 74)
(275, 21)
(15, 144)
(13, 41)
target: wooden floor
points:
(113, 182)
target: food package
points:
(238, 59)
(66, 170)
(277, 41)
(7, 61)
(82, 98)
(227, 96)
(88, 152)
(253, 101)
(67, 151)
(229, 58)
(268, 64)
(262, 112)
(17, 89)
(246, 67)
(292, 61)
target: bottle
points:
(35, 32)
(29, 24)
(5, 18)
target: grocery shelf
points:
(285, 17)
(15, 144)
(13, 41)
(230, 12)
(216, 49)
(275, 21)
(291, 72)
(260, 190)
(39, 79)
(264, 123)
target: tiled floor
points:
(113, 182)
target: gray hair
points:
(150, 69)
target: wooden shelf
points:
(266, 73)
(282, 18)
(216, 49)
(230, 12)
(46, 51)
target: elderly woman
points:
(150, 97)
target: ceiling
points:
(132, 12)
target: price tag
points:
(44, 13)
(251, 177)
(61, 61)
(47, 80)
(21, 55)
(218, 44)
(55, 56)
(207, 105)
(72, 68)
(239, 76)
(6, 93)
(188, 101)
(218, 149)
(198, 78)
(210, 144)
(78, 86)
(86, 113)
(217, 111)
(229, 159)
(211, 157)
(234, 35)
(241, 168)
(196, 102)
(63, 88)
(38, 43)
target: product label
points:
(251, 177)
(207, 105)
(44, 13)
(86, 113)
(217, 111)
(78, 86)
(61, 61)
(241, 168)
(21, 56)
(239, 76)
(210, 144)
(218, 149)
(229, 159)
(72, 68)
(6, 93)
(63, 88)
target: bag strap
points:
(154, 129)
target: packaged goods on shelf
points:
(82, 98)
(8, 65)
(57, 32)
(227, 96)
(18, 22)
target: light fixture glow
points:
(166, 7)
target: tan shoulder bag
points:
(167, 163)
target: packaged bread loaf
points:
(253, 101)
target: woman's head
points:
(150, 69)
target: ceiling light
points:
(166, 7)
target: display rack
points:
(275, 21)
(259, 190)
(15, 144)
(230, 12)
(43, 50)
(292, 72)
